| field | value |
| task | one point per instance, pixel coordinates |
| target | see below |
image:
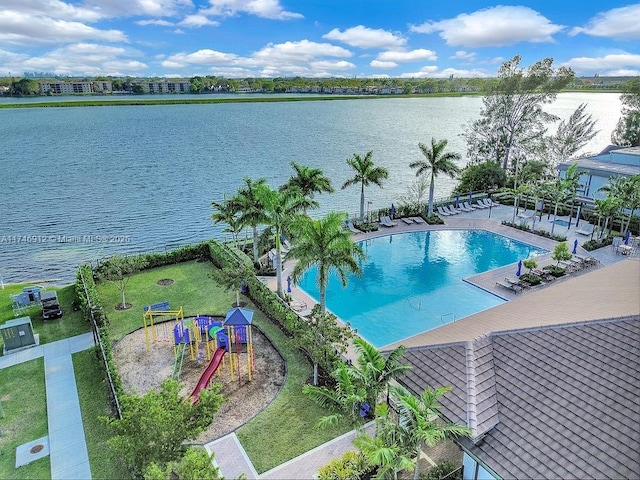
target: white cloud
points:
(129, 8)
(605, 65)
(20, 28)
(379, 64)
(432, 71)
(201, 57)
(364, 37)
(621, 23)
(328, 65)
(260, 8)
(462, 55)
(198, 20)
(493, 27)
(53, 9)
(418, 55)
(302, 51)
(161, 23)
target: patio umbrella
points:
(470, 197)
(575, 246)
(393, 210)
(457, 199)
(626, 237)
(519, 271)
(289, 284)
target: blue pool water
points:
(413, 282)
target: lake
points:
(79, 184)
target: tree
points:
(228, 211)
(571, 136)
(326, 245)
(627, 191)
(154, 426)
(323, 338)
(366, 173)
(309, 180)
(436, 162)
(627, 131)
(530, 264)
(512, 112)
(375, 370)
(387, 457)
(481, 177)
(24, 87)
(607, 208)
(280, 210)
(251, 210)
(416, 195)
(419, 421)
(118, 270)
(196, 464)
(561, 253)
(233, 278)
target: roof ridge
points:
(470, 370)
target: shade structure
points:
(288, 284)
(519, 270)
(393, 210)
(626, 237)
(575, 246)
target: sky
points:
(315, 38)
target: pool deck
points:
(608, 289)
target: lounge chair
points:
(444, 213)
(510, 286)
(480, 204)
(587, 260)
(517, 282)
(617, 242)
(451, 210)
(586, 229)
(490, 203)
(418, 219)
(406, 220)
(385, 221)
(349, 224)
(547, 277)
(468, 206)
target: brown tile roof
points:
(545, 402)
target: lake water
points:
(79, 184)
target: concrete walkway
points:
(67, 446)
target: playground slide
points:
(205, 378)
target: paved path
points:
(67, 445)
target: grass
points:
(283, 430)
(192, 289)
(92, 392)
(22, 393)
(69, 325)
(286, 428)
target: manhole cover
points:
(36, 448)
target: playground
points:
(144, 365)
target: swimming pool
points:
(413, 282)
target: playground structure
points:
(214, 339)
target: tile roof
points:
(546, 402)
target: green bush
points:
(444, 470)
(351, 466)
(595, 244)
(554, 270)
(434, 220)
(531, 278)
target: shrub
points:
(434, 220)
(554, 270)
(595, 244)
(351, 466)
(531, 278)
(444, 470)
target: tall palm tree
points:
(366, 174)
(251, 209)
(571, 184)
(228, 212)
(309, 180)
(607, 208)
(627, 190)
(419, 421)
(280, 210)
(375, 370)
(325, 244)
(436, 161)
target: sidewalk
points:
(67, 445)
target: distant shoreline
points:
(207, 99)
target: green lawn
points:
(69, 325)
(22, 393)
(93, 395)
(192, 289)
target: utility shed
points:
(18, 334)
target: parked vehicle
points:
(50, 305)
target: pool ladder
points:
(446, 315)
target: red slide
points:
(205, 378)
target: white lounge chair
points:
(480, 204)
(406, 220)
(468, 206)
(585, 229)
(418, 219)
(349, 224)
(490, 203)
(444, 213)
(385, 221)
(451, 210)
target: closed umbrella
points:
(393, 210)
(575, 246)
(519, 271)
(457, 199)
(626, 237)
(288, 284)
(470, 197)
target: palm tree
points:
(375, 370)
(419, 421)
(436, 162)
(366, 174)
(309, 180)
(607, 208)
(251, 210)
(228, 212)
(280, 210)
(388, 457)
(571, 183)
(344, 401)
(325, 244)
(627, 190)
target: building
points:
(598, 170)
(166, 87)
(60, 87)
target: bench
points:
(509, 286)
(159, 307)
